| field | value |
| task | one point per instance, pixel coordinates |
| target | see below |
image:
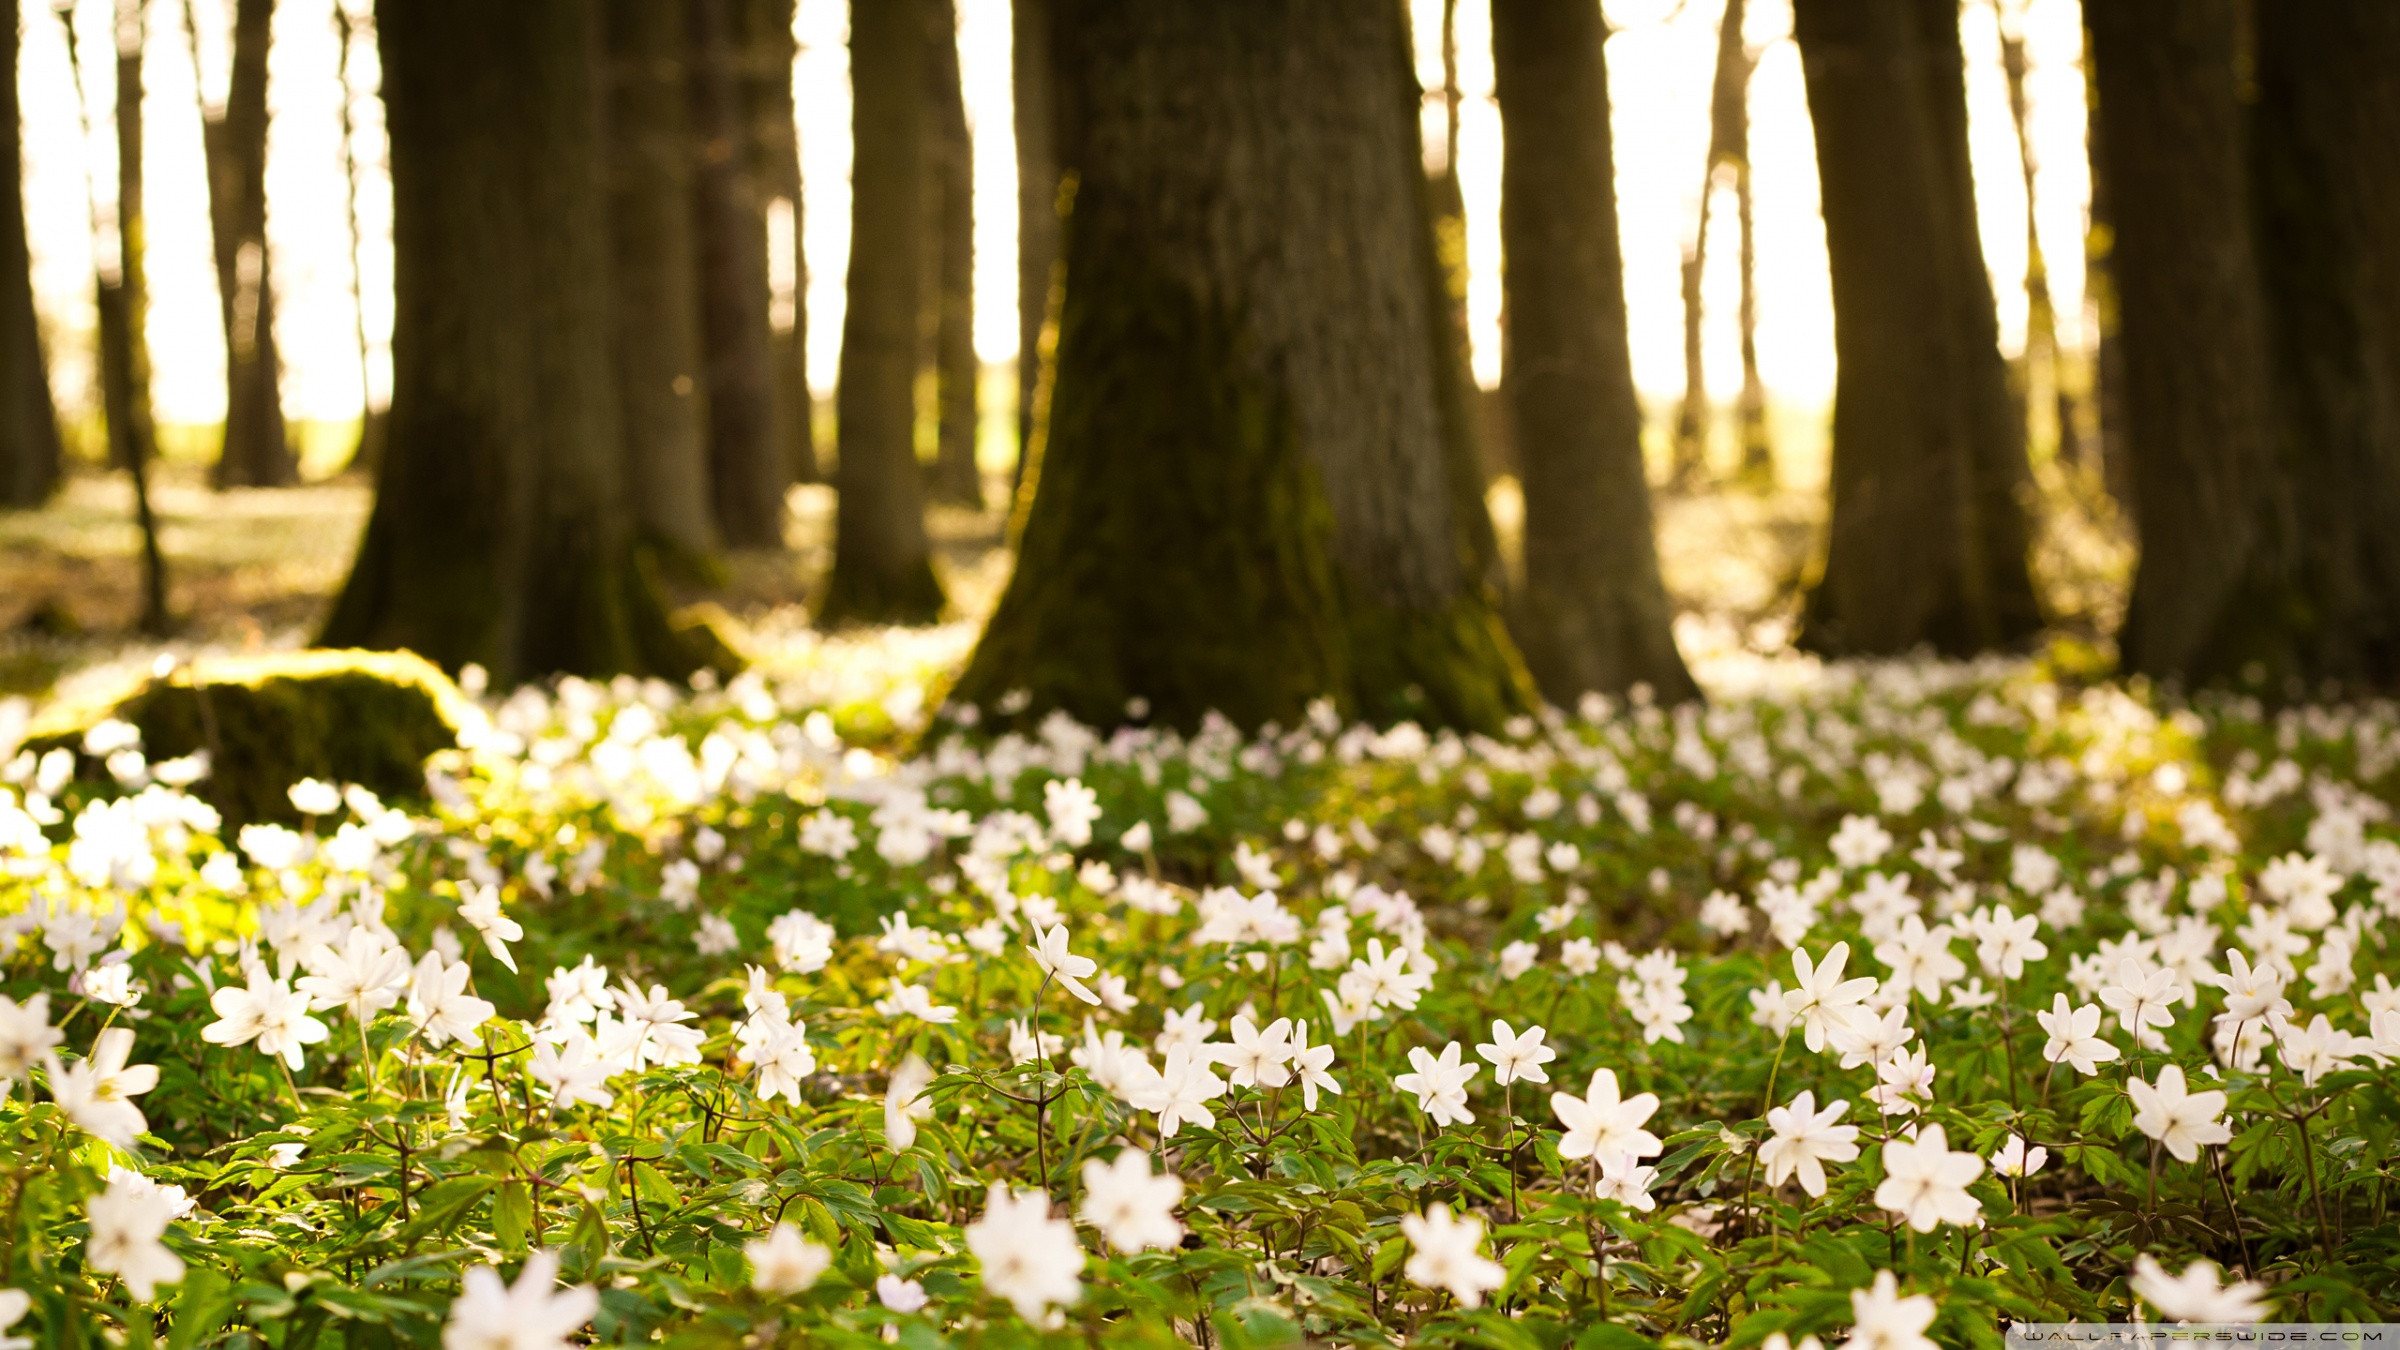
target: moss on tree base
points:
(267, 722)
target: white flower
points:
(2195, 1295)
(2004, 942)
(14, 1304)
(2074, 1035)
(1873, 1040)
(803, 942)
(1443, 1254)
(267, 1011)
(580, 994)
(532, 1314)
(572, 1070)
(314, 797)
(1625, 1181)
(1390, 979)
(1920, 957)
(1861, 842)
(1133, 1208)
(904, 1102)
(365, 974)
(441, 1007)
(1600, 1122)
(782, 1060)
(899, 1295)
(1724, 915)
(2316, 1050)
(1178, 1093)
(480, 906)
(127, 1220)
(25, 1036)
(1258, 1059)
(1439, 1084)
(2182, 1120)
(2016, 1159)
(1064, 966)
(1926, 1184)
(1073, 810)
(915, 1000)
(1579, 956)
(1822, 999)
(1187, 1028)
(2141, 998)
(784, 1263)
(1767, 1008)
(1028, 1258)
(1804, 1140)
(1309, 1064)
(1518, 957)
(1515, 1056)
(97, 1093)
(1882, 1320)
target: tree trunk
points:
(1038, 181)
(882, 562)
(123, 307)
(1246, 499)
(29, 443)
(368, 452)
(656, 311)
(769, 50)
(748, 472)
(2100, 297)
(1593, 614)
(500, 533)
(255, 451)
(1928, 537)
(2042, 356)
(2326, 166)
(2214, 518)
(950, 246)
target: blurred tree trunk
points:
(29, 441)
(1728, 148)
(500, 533)
(255, 451)
(1593, 613)
(1247, 496)
(882, 561)
(950, 249)
(1929, 534)
(769, 49)
(2107, 422)
(656, 312)
(2042, 357)
(1038, 181)
(123, 309)
(371, 419)
(748, 471)
(2326, 165)
(2215, 520)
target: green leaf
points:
(440, 1206)
(201, 1305)
(512, 1215)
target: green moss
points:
(369, 718)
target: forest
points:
(987, 672)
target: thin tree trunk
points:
(1038, 183)
(1758, 440)
(2214, 517)
(2107, 421)
(1928, 539)
(2042, 357)
(2326, 157)
(371, 420)
(500, 533)
(1728, 146)
(748, 470)
(29, 441)
(255, 451)
(950, 239)
(656, 341)
(769, 51)
(1593, 614)
(1247, 499)
(882, 561)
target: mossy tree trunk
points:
(1032, 82)
(2326, 157)
(656, 315)
(1929, 534)
(255, 452)
(748, 471)
(1245, 498)
(29, 442)
(768, 51)
(500, 533)
(2215, 519)
(882, 561)
(950, 278)
(1593, 613)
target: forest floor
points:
(254, 569)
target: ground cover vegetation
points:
(1874, 1004)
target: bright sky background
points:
(1660, 63)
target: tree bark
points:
(1728, 145)
(1038, 181)
(769, 49)
(500, 533)
(882, 562)
(1593, 613)
(748, 472)
(656, 315)
(1246, 499)
(1928, 539)
(2214, 517)
(2326, 157)
(2042, 355)
(950, 278)
(368, 452)
(123, 307)
(29, 442)
(255, 451)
